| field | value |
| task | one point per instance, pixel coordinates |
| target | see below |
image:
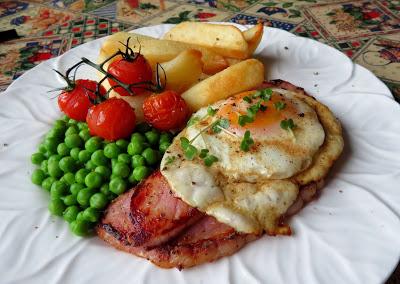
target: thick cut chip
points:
(243, 76)
(226, 40)
(159, 51)
(183, 71)
(253, 37)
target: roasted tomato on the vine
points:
(112, 119)
(165, 111)
(74, 100)
(131, 70)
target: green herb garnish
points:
(193, 120)
(170, 160)
(279, 105)
(203, 153)
(188, 149)
(211, 111)
(209, 160)
(265, 94)
(243, 119)
(288, 124)
(247, 141)
(220, 124)
(248, 99)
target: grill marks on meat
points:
(151, 223)
(156, 214)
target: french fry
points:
(136, 102)
(253, 37)
(226, 40)
(159, 51)
(183, 71)
(243, 76)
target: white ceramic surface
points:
(349, 235)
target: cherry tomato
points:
(112, 119)
(75, 103)
(165, 111)
(130, 71)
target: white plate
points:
(349, 235)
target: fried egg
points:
(248, 190)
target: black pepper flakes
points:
(287, 48)
(193, 183)
(301, 114)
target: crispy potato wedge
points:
(226, 40)
(183, 71)
(243, 76)
(159, 51)
(253, 37)
(136, 102)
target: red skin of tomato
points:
(130, 72)
(75, 103)
(112, 119)
(165, 111)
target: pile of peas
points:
(83, 174)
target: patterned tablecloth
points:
(366, 31)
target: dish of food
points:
(221, 150)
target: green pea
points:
(62, 149)
(85, 134)
(122, 144)
(84, 156)
(38, 176)
(83, 196)
(91, 214)
(118, 185)
(42, 148)
(82, 125)
(165, 137)
(70, 213)
(54, 169)
(56, 207)
(73, 129)
(140, 173)
(80, 228)
(80, 216)
(73, 141)
(121, 169)
(152, 137)
(59, 124)
(37, 158)
(113, 176)
(55, 133)
(111, 150)
(51, 144)
(143, 127)
(72, 121)
(90, 165)
(138, 160)
(43, 166)
(111, 196)
(47, 183)
(80, 175)
(98, 158)
(138, 138)
(164, 146)
(93, 144)
(75, 188)
(58, 189)
(64, 118)
(135, 148)
(151, 156)
(132, 180)
(93, 180)
(114, 161)
(67, 164)
(70, 200)
(124, 158)
(54, 158)
(103, 170)
(74, 153)
(105, 189)
(98, 200)
(69, 178)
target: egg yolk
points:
(265, 122)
